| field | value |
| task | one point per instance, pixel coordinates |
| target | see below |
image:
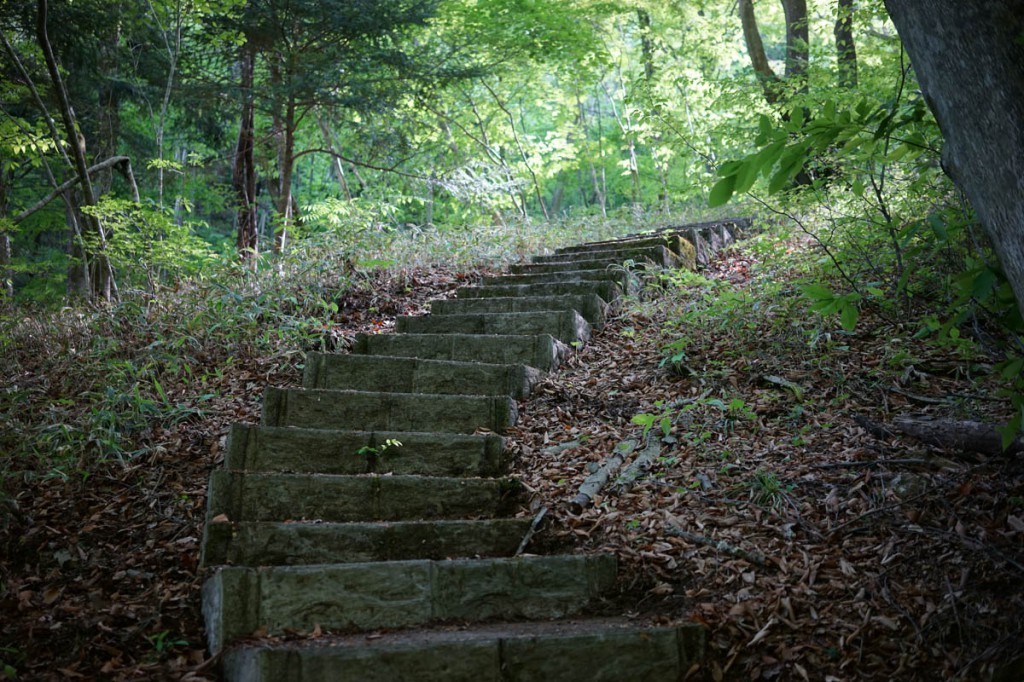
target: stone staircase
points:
(341, 555)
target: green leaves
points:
(825, 302)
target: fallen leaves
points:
(882, 558)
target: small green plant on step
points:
(374, 451)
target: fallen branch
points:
(672, 528)
(872, 463)
(597, 480)
(969, 436)
(532, 530)
(639, 465)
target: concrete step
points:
(326, 451)
(673, 240)
(590, 306)
(574, 265)
(608, 291)
(370, 411)
(543, 352)
(614, 274)
(414, 375)
(238, 601)
(240, 496)
(567, 326)
(589, 650)
(659, 255)
(294, 544)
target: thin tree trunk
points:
(244, 169)
(336, 164)
(101, 274)
(172, 58)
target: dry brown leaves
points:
(881, 559)
(99, 574)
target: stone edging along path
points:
(409, 555)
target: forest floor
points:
(809, 547)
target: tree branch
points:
(60, 189)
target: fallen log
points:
(597, 480)
(970, 436)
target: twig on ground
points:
(672, 528)
(532, 530)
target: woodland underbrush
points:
(810, 544)
(765, 492)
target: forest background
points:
(253, 164)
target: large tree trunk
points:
(846, 48)
(797, 47)
(969, 59)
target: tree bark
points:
(969, 60)
(797, 48)
(243, 178)
(846, 48)
(755, 50)
(101, 276)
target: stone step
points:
(370, 411)
(561, 266)
(238, 601)
(566, 326)
(590, 306)
(414, 375)
(588, 650)
(608, 291)
(294, 544)
(613, 274)
(543, 352)
(276, 449)
(673, 240)
(239, 496)
(659, 255)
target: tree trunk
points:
(244, 171)
(797, 42)
(755, 50)
(969, 59)
(797, 48)
(6, 274)
(101, 275)
(846, 48)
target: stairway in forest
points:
(405, 559)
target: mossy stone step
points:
(567, 325)
(295, 544)
(611, 274)
(562, 266)
(279, 449)
(588, 650)
(415, 375)
(366, 410)
(543, 351)
(672, 240)
(608, 291)
(659, 255)
(238, 601)
(590, 307)
(236, 496)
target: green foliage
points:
(146, 245)
(375, 451)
